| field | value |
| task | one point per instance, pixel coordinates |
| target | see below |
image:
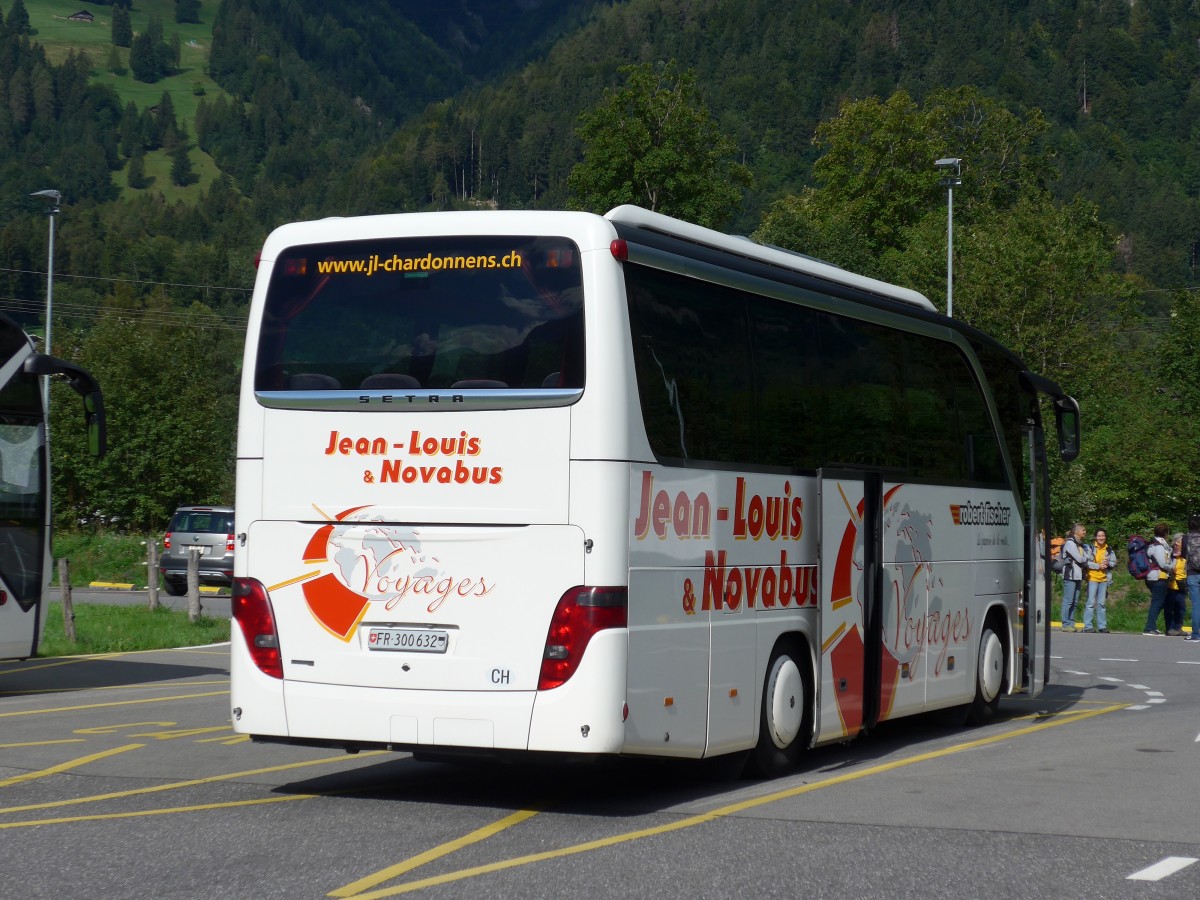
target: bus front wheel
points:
(784, 714)
(989, 677)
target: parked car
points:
(211, 529)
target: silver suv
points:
(211, 529)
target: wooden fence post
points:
(68, 608)
(193, 583)
(152, 573)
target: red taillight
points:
(580, 613)
(167, 541)
(229, 543)
(619, 250)
(252, 611)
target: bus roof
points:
(636, 217)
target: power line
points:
(178, 284)
(164, 318)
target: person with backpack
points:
(1176, 602)
(1191, 551)
(1101, 560)
(1159, 553)
(1074, 560)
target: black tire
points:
(989, 677)
(785, 715)
(174, 588)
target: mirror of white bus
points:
(84, 384)
(1066, 414)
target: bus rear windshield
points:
(424, 313)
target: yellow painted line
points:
(838, 604)
(729, 810)
(42, 743)
(39, 712)
(112, 585)
(154, 789)
(143, 686)
(370, 881)
(113, 729)
(68, 765)
(100, 817)
(52, 665)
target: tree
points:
(182, 172)
(114, 64)
(136, 177)
(143, 61)
(876, 181)
(122, 27)
(654, 143)
(18, 18)
(187, 11)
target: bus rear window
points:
(424, 313)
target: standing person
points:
(1101, 561)
(1075, 558)
(1191, 550)
(1176, 602)
(1156, 579)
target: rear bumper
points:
(583, 716)
(208, 574)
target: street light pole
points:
(952, 166)
(55, 200)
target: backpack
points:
(1058, 559)
(1192, 540)
(1139, 562)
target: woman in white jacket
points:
(1159, 552)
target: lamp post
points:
(952, 167)
(55, 200)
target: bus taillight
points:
(580, 613)
(252, 611)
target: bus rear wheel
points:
(989, 677)
(783, 716)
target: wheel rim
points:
(991, 666)
(785, 702)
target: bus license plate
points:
(410, 640)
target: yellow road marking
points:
(68, 765)
(99, 817)
(38, 712)
(140, 686)
(42, 743)
(728, 810)
(184, 784)
(113, 729)
(370, 881)
(181, 732)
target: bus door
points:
(1035, 633)
(850, 602)
(24, 481)
(1035, 636)
(22, 499)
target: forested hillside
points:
(368, 106)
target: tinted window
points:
(691, 351)
(730, 377)
(204, 522)
(424, 313)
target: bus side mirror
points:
(97, 430)
(1066, 415)
(82, 382)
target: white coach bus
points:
(550, 481)
(25, 559)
